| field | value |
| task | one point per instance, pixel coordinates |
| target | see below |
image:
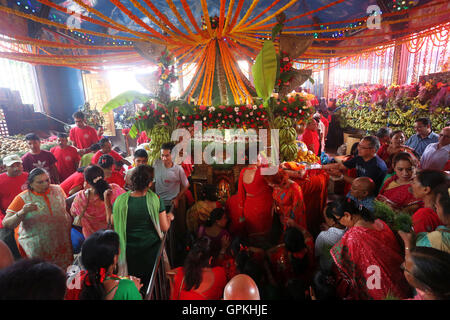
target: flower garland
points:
(166, 71)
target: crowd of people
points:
(280, 236)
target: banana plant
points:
(124, 98)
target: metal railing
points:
(159, 288)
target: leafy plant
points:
(125, 98)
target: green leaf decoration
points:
(134, 131)
(265, 70)
(124, 98)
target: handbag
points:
(77, 220)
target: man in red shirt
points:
(38, 158)
(311, 137)
(106, 148)
(12, 182)
(74, 183)
(67, 157)
(82, 136)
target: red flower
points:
(144, 108)
(290, 114)
(242, 108)
(145, 117)
(239, 113)
(190, 117)
(284, 109)
(229, 109)
(197, 116)
(179, 118)
(210, 115)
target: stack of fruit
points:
(305, 155)
(288, 147)
(159, 134)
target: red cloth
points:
(311, 137)
(256, 201)
(99, 153)
(10, 187)
(67, 161)
(83, 137)
(74, 180)
(315, 189)
(325, 122)
(364, 253)
(398, 197)
(425, 220)
(142, 138)
(116, 178)
(232, 206)
(215, 292)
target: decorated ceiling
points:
(94, 34)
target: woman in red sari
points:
(389, 150)
(368, 256)
(396, 189)
(255, 202)
(426, 219)
(288, 199)
(196, 280)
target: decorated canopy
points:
(213, 35)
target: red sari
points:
(290, 204)
(315, 188)
(398, 196)
(361, 252)
(425, 220)
(256, 200)
(215, 292)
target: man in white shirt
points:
(437, 154)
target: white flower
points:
(230, 116)
(183, 117)
(262, 116)
(204, 118)
(257, 119)
(223, 121)
(160, 82)
(163, 116)
(251, 113)
(246, 115)
(236, 109)
(255, 107)
(211, 109)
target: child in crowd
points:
(361, 192)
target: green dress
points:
(143, 241)
(126, 290)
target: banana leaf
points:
(265, 70)
(124, 98)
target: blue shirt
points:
(375, 169)
(367, 202)
(419, 144)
